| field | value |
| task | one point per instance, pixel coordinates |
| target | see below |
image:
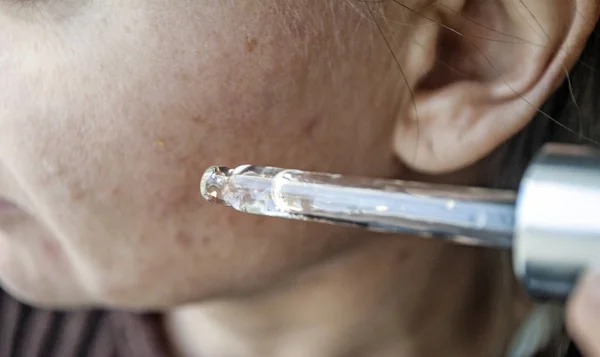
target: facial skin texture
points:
(111, 110)
(133, 101)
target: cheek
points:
(111, 170)
(109, 156)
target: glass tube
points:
(465, 215)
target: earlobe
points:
(493, 64)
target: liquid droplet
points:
(213, 184)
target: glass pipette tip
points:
(465, 215)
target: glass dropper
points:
(466, 215)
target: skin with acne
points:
(126, 154)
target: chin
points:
(28, 297)
(41, 295)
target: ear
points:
(489, 66)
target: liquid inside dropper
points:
(246, 188)
(467, 215)
(213, 184)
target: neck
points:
(390, 297)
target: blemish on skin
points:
(232, 219)
(115, 192)
(184, 239)
(403, 255)
(186, 77)
(51, 250)
(159, 143)
(197, 119)
(177, 199)
(310, 127)
(251, 44)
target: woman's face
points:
(111, 110)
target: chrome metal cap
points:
(557, 223)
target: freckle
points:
(186, 77)
(127, 29)
(403, 255)
(251, 44)
(232, 219)
(205, 241)
(309, 128)
(159, 143)
(184, 239)
(197, 119)
(182, 160)
(181, 199)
